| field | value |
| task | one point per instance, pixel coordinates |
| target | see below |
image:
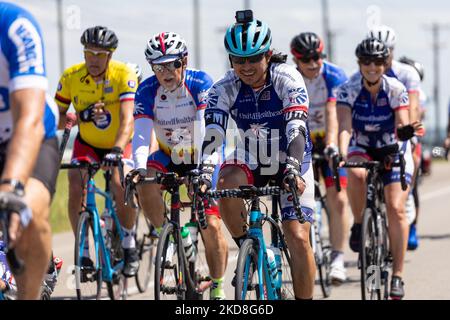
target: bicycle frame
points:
(108, 270)
(255, 231)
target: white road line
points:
(434, 194)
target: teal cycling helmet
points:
(248, 39)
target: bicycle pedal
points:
(168, 290)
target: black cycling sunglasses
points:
(315, 57)
(367, 61)
(242, 60)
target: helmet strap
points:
(183, 74)
(371, 84)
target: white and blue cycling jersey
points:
(22, 66)
(269, 122)
(321, 90)
(5, 272)
(373, 123)
(260, 116)
(177, 117)
(406, 74)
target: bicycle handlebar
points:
(251, 192)
(169, 180)
(7, 206)
(334, 168)
(377, 165)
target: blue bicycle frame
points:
(108, 270)
(255, 231)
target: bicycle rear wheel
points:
(170, 273)
(199, 284)
(247, 278)
(88, 276)
(287, 284)
(324, 268)
(117, 288)
(146, 246)
(370, 269)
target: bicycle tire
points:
(198, 283)
(84, 275)
(368, 256)
(325, 261)
(286, 291)
(385, 256)
(167, 280)
(324, 269)
(247, 263)
(117, 287)
(146, 247)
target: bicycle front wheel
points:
(247, 278)
(370, 269)
(88, 267)
(170, 275)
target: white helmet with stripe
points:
(165, 47)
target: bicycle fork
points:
(264, 269)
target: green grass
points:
(59, 216)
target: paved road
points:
(426, 269)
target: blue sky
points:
(135, 21)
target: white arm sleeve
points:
(143, 128)
(199, 134)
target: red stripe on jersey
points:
(62, 99)
(139, 116)
(296, 108)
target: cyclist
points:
(413, 241)
(172, 105)
(137, 69)
(322, 79)
(28, 146)
(264, 96)
(411, 80)
(102, 92)
(372, 108)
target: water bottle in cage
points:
(318, 215)
(188, 246)
(273, 268)
(193, 231)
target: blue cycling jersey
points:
(22, 65)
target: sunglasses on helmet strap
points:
(171, 66)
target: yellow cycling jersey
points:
(76, 86)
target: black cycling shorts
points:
(47, 164)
